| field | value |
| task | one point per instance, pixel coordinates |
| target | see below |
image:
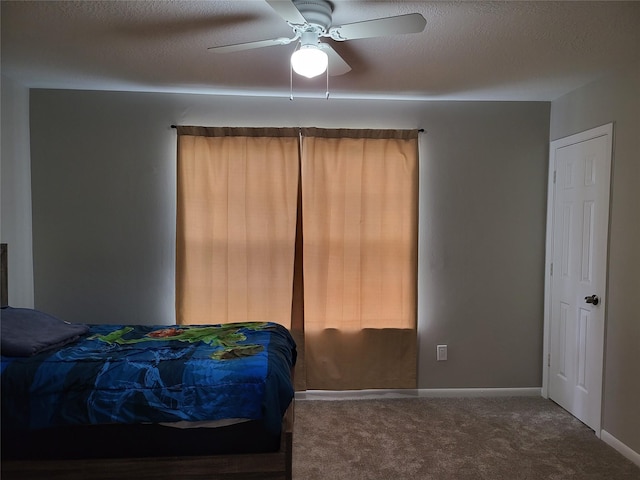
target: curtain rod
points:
(421, 130)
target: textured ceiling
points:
(469, 50)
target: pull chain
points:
(327, 94)
(290, 81)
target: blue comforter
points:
(137, 374)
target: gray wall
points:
(15, 171)
(103, 179)
(616, 99)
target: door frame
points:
(603, 130)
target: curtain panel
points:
(320, 237)
(236, 224)
(359, 197)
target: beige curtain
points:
(236, 224)
(359, 194)
(328, 250)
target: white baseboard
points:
(419, 392)
(481, 392)
(356, 394)
(612, 441)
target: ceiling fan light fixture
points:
(309, 61)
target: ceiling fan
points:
(311, 20)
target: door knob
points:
(593, 299)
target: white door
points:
(577, 300)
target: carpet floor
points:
(514, 438)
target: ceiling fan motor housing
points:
(316, 12)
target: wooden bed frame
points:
(263, 466)
(4, 277)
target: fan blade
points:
(411, 23)
(337, 65)
(287, 10)
(237, 47)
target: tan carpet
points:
(449, 438)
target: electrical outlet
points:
(441, 352)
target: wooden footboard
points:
(263, 466)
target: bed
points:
(144, 401)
